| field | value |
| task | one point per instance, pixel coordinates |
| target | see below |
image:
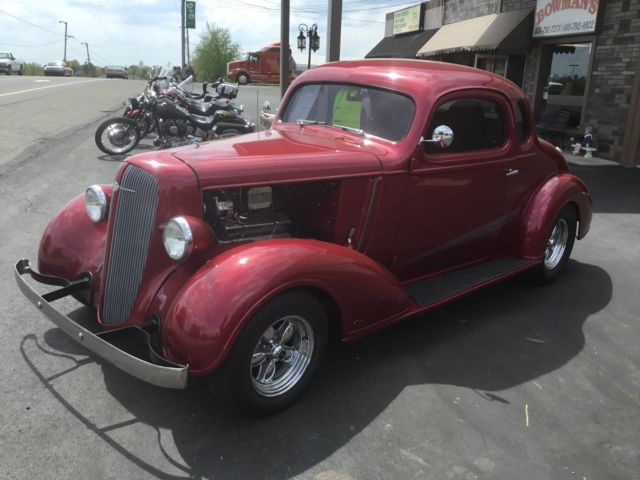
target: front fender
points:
(72, 244)
(543, 209)
(211, 309)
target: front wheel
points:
(558, 248)
(117, 136)
(276, 354)
(21, 71)
(242, 78)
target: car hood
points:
(290, 153)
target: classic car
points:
(385, 188)
(57, 68)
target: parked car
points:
(9, 64)
(385, 189)
(58, 68)
(114, 71)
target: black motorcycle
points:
(176, 116)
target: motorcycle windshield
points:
(186, 81)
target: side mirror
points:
(266, 106)
(442, 136)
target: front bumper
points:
(130, 349)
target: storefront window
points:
(565, 86)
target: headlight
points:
(177, 238)
(95, 201)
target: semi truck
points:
(261, 66)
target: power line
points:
(32, 24)
(27, 46)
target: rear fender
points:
(543, 209)
(210, 310)
(72, 244)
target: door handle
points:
(511, 172)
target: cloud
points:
(124, 32)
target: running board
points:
(441, 287)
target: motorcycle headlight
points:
(95, 201)
(177, 238)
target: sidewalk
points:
(588, 162)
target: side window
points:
(477, 124)
(522, 124)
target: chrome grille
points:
(133, 224)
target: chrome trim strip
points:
(368, 214)
(162, 376)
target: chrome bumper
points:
(128, 348)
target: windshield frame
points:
(291, 97)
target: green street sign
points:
(190, 8)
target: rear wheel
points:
(228, 133)
(276, 354)
(117, 136)
(558, 248)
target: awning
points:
(507, 31)
(401, 46)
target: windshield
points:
(376, 112)
(4, 55)
(54, 64)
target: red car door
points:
(455, 207)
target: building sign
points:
(190, 8)
(565, 17)
(407, 20)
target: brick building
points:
(589, 66)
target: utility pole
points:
(182, 29)
(334, 28)
(284, 47)
(188, 52)
(65, 39)
(88, 58)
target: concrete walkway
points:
(588, 162)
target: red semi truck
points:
(260, 66)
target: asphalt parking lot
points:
(514, 382)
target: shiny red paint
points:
(213, 306)
(391, 214)
(66, 253)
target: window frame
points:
(475, 156)
(413, 119)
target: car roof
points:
(412, 76)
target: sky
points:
(123, 32)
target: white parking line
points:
(48, 86)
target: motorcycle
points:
(178, 118)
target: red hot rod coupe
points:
(385, 188)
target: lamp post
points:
(314, 39)
(573, 68)
(88, 58)
(65, 39)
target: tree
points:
(211, 55)
(74, 64)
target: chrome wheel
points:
(282, 355)
(119, 137)
(556, 244)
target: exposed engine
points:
(172, 128)
(263, 212)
